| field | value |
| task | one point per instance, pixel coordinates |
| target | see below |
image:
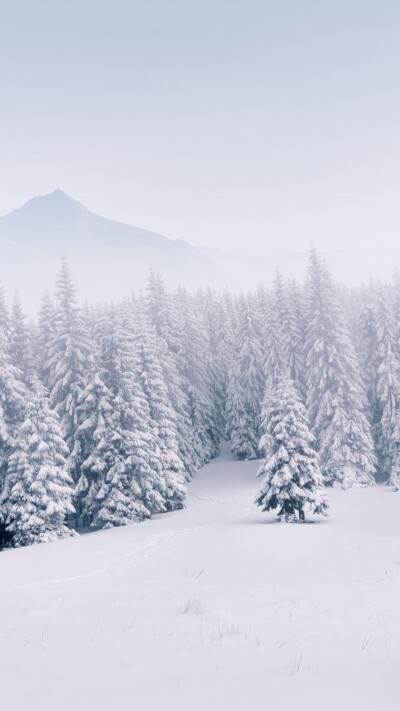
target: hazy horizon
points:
(232, 125)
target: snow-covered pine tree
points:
(158, 306)
(368, 348)
(336, 399)
(4, 314)
(396, 312)
(293, 483)
(131, 487)
(387, 388)
(247, 385)
(393, 452)
(45, 332)
(213, 316)
(21, 342)
(158, 309)
(294, 342)
(386, 430)
(162, 418)
(67, 354)
(12, 403)
(274, 347)
(189, 340)
(279, 301)
(92, 438)
(263, 300)
(38, 487)
(237, 420)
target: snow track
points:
(210, 608)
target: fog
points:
(242, 126)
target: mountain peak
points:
(56, 197)
(55, 202)
(58, 194)
(109, 258)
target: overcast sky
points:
(243, 125)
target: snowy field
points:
(212, 608)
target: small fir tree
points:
(293, 481)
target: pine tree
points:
(242, 435)
(246, 386)
(21, 342)
(38, 487)
(162, 418)
(393, 452)
(275, 363)
(93, 438)
(213, 316)
(158, 309)
(189, 340)
(294, 342)
(45, 332)
(12, 403)
(67, 355)
(4, 314)
(387, 388)
(369, 353)
(293, 482)
(131, 486)
(336, 399)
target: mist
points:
(232, 126)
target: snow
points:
(215, 607)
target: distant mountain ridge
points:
(108, 258)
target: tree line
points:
(107, 410)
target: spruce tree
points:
(131, 486)
(21, 342)
(162, 417)
(38, 491)
(368, 339)
(159, 313)
(246, 385)
(336, 399)
(240, 431)
(212, 315)
(67, 354)
(189, 340)
(294, 325)
(393, 452)
(293, 482)
(4, 314)
(275, 363)
(93, 438)
(12, 403)
(387, 388)
(45, 332)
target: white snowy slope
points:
(213, 608)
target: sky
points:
(241, 125)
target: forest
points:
(107, 410)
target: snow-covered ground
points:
(212, 608)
